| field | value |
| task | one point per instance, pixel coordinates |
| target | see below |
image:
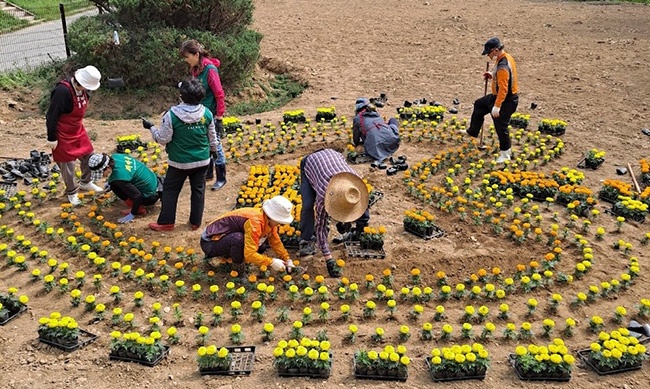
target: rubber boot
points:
(221, 177)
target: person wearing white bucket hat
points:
(66, 134)
(238, 235)
(329, 187)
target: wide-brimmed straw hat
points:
(346, 197)
(278, 209)
(88, 77)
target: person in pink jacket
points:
(206, 70)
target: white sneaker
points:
(504, 156)
(462, 132)
(90, 186)
(74, 200)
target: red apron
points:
(71, 133)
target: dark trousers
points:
(483, 106)
(229, 246)
(146, 201)
(174, 180)
(307, 217)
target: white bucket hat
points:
(278, 209)
(97, 163)
(346, 197)
(88, 77)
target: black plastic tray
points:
(607, 199)
(376, 196)
(376, 377)
(85, 338)
(115, 357)
(583, 165)
(243, 359)
(511, 359)
(354, 250)
(446, 379)
(307, 374)
(15, 315)
(9, 188)
(360, 158)
(586, 358)
(638, 219)
(437, 232)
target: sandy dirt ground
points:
(583, 62)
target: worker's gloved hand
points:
(126, 218)
(218, 126)
(289, 265)
(213, 155)
(146, 124)
(487, 75)
(496, 111)
(278, 265)
(52, 144)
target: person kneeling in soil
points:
(329, 187)
(130, 180)
(238, 235)
(379, 138)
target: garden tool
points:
(481, 146)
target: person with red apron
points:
(66, 134)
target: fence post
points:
(65, 29)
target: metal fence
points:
(35, 45)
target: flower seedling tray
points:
(606, 198)
(243, 359)
(375, 196)
(308, 373)
(360, 158)
(436, 232)
(584, 165)
(354, 250)
(376, 376)
(13, 316)
(522, 376)
(84, 339)
(457, 378)
(585, 356)
(636, 218)
(163, 354)
(9, 188)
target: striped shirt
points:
(319, 168)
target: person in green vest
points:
(130, 180)
(188, 134)
(206, 69)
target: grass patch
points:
(9, 23)
(48, 9)
(282, 90)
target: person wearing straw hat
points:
(239, 234)
(131, 181)
(329, 187)
(66, 134)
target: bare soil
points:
(583, 62)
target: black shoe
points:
(401, 167)
(306, 248)
(332, 270)
(342, 228)
(397, 161)
(391, 171)
(378, 165)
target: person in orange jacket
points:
(238, 234)
(503, 100)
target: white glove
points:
(496, 111)
(278, 265)
(52, 144)
(290, 265)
